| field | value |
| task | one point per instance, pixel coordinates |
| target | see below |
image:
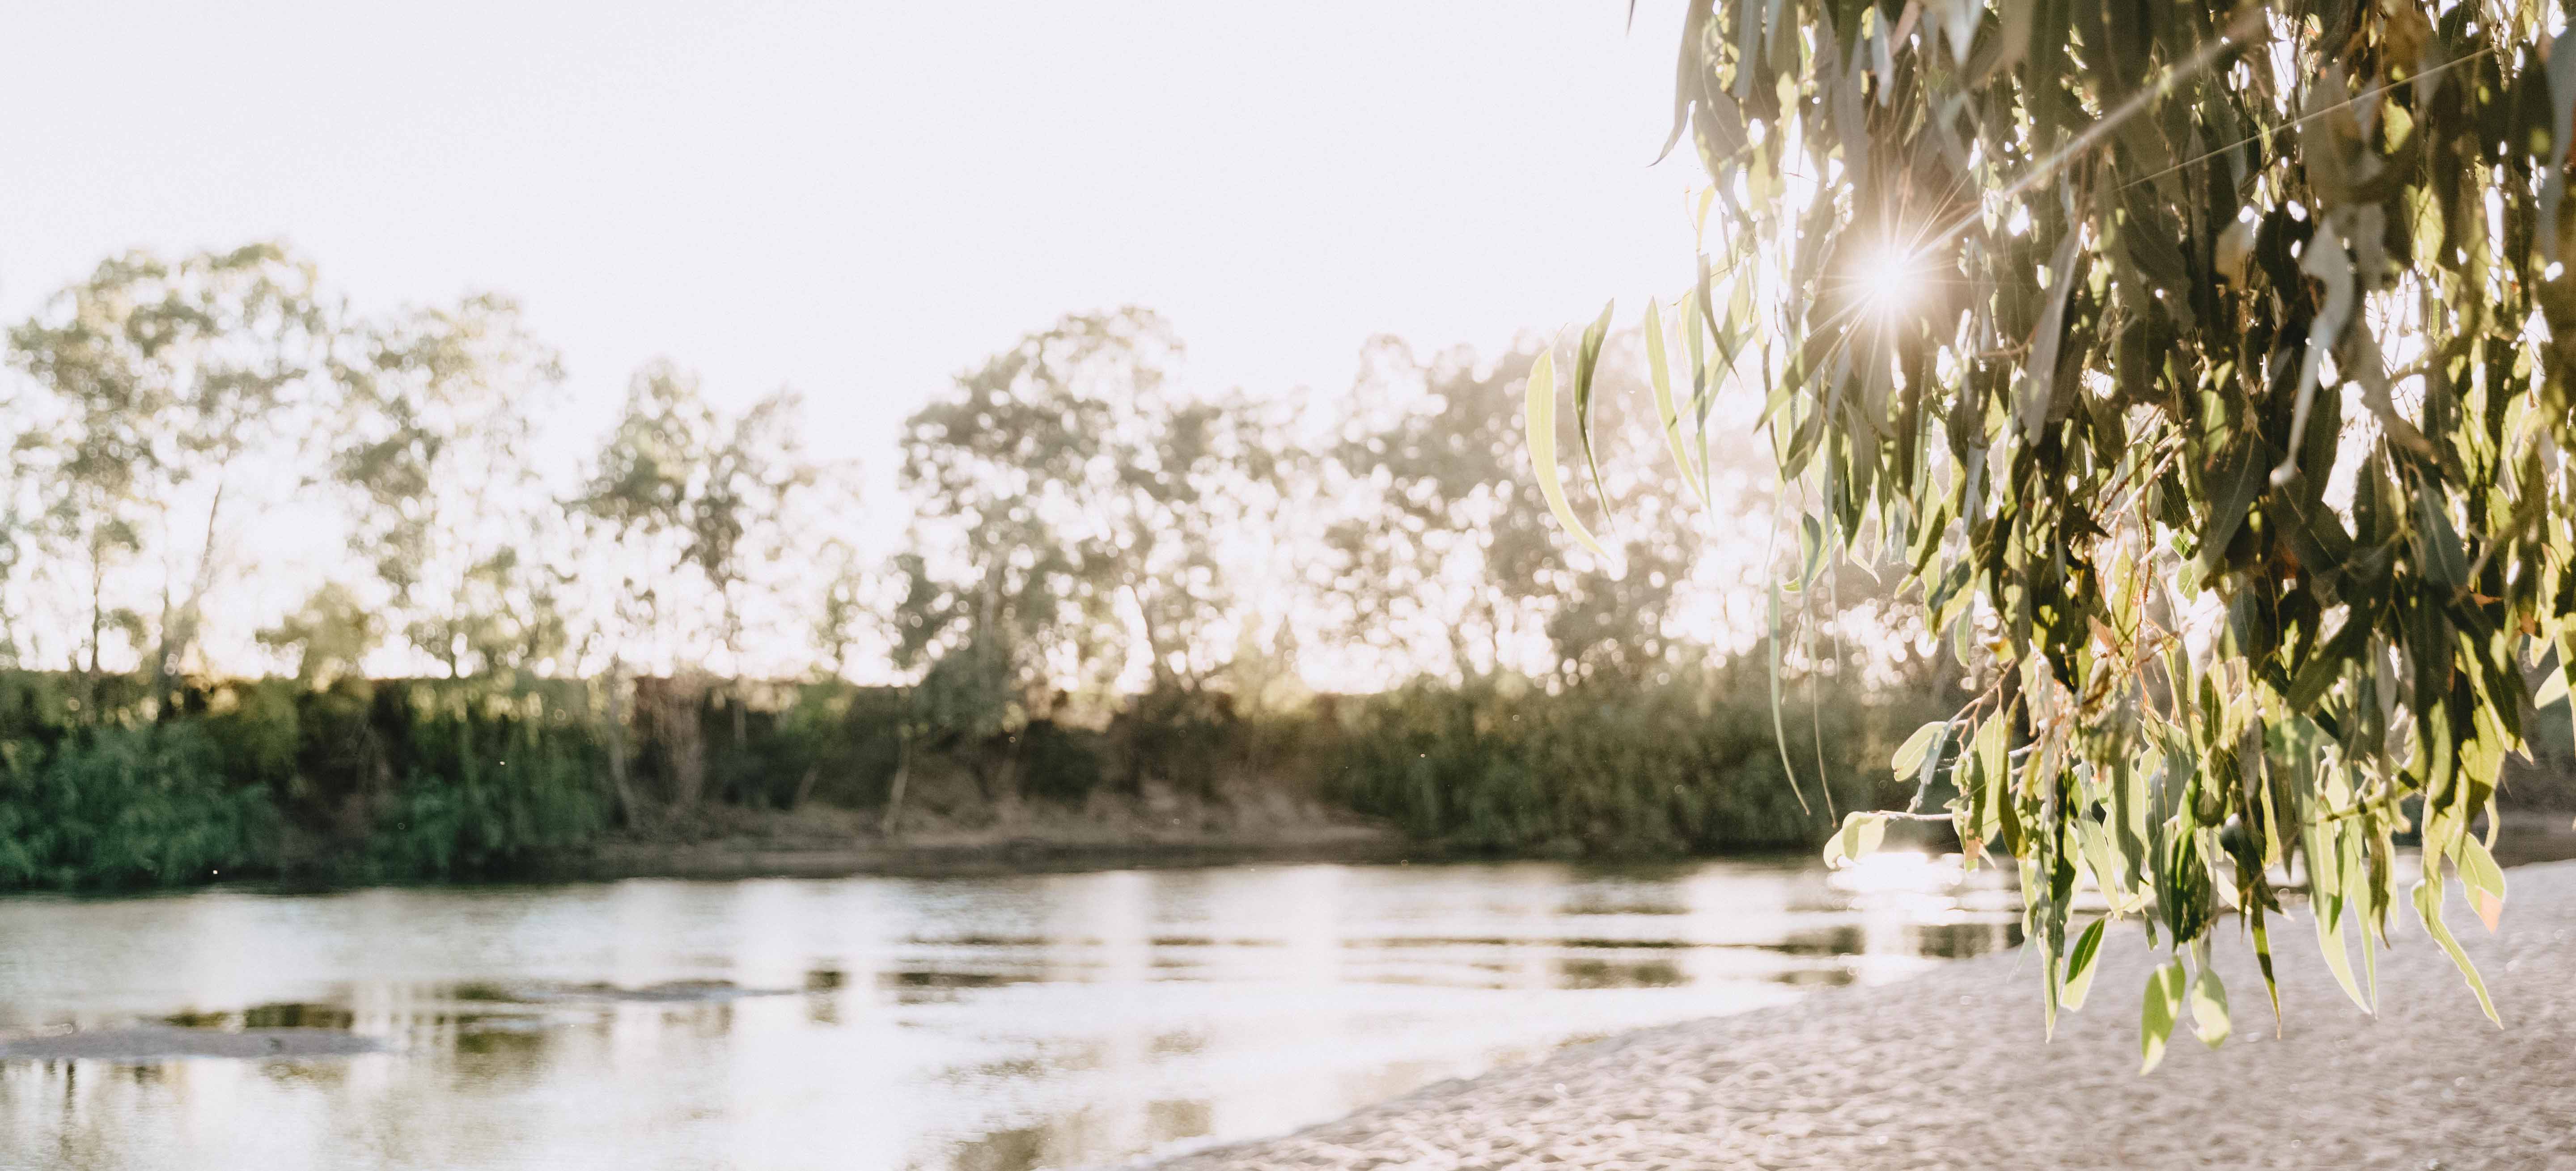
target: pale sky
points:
(861, 199)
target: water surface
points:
(979, 1024)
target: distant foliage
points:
(439, 780)
(1609, 769)
(117, 807)
(502, 820)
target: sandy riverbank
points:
(1950, 1070)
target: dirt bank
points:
(1951, 1070)
(1001, 852)
(1156, 828)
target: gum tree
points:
(442, 413)
(2200, 361)
(173, 388)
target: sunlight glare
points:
(1906, 871)
(1890, 282)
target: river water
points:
(969, 1023)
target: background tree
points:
(1442, 539)
(16, 534)
(166, 376)
(2098, 316)
(849, 610)
(1073, 514)
(647, 472)
(1203, 476)
(331, 635)
(737, 515)
(1439, 536)
(1013, 580)
(442, 412)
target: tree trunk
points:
(179, 628)
(627, 808)
(97, 604)
(734, 689)
(887, 826)
(1164, 677)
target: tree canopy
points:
(2201, 364)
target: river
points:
(990, 1023)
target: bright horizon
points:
(861, 203)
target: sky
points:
(859, 200)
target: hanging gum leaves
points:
(2208, 366)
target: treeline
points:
(404, 780)
(285, 586)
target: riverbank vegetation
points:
(407, 780)
(291, 588)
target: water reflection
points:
(990, 1022)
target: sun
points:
(1889, 282)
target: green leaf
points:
(2445, 561)
(1687, 71)
(2263, 962)
(2079, 964)
(2483, 878)
(2209, 1008)
(1587, 364)
(1541, 419)
(2566, 664)
(1924, 743)
(1811, 551)
(2156, 1019)
(2428, 907)
(1859, 835)
(2327, 880)
(2552, 690)
(1659, 375)
(2330, 943)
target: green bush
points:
(494, 784)
(1057, 763)
(127, 807)
(501, 821)
(1615, 768)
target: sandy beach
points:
(1952, 1070)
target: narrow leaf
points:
(1587, 364)
(2156, 1018)
(1659, 374)
(2428, 907)
(2329, 913)
(2079, 964)
(2484, 880)
(1541, 419)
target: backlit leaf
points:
(1540, 416)
(2163, 1005)
(1860, 834)
(2079, 964)
(2209, 1007)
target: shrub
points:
(493, 784)
(1686, 766)
(127, 807)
